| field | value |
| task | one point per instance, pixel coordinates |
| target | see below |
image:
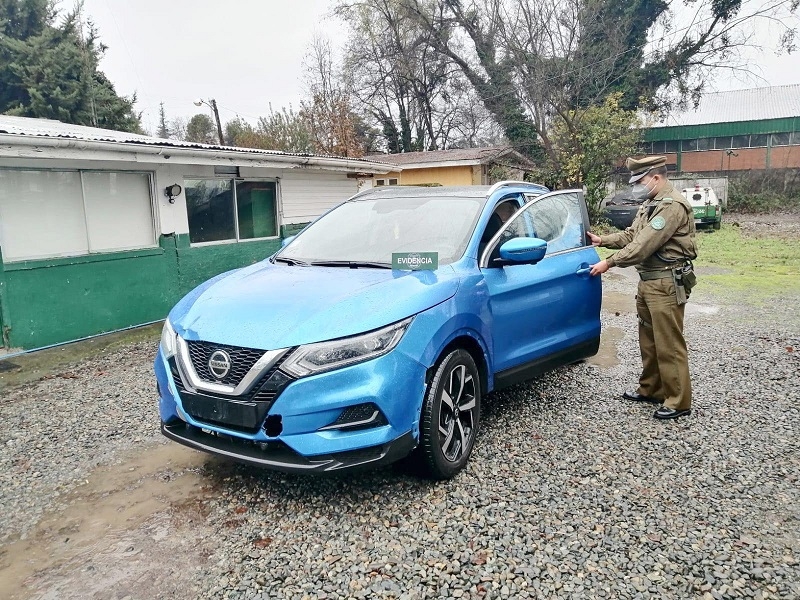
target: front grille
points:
(242, 360)
(263, 394)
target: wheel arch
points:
(469, 343)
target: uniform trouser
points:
(665, 360)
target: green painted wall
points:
(45, 302)
(197, 264)
(689, 132)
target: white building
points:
(91, 241)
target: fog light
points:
(360, 416)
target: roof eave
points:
(24, 146)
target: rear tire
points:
(450, 416)
(717, 224)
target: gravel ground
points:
(571, 492)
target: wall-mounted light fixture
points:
(171, 191)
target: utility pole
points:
(212, 104)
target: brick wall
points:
(743, 159)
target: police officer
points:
(661, 244)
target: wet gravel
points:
(571, 492)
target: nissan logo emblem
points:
(219, 364)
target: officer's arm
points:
(648, 239)
(623, 238)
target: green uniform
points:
(661, 238)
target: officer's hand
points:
(595, 239)
(599, 268)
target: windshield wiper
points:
(351, 264)
(293, 262)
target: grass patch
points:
(758, 267)
(755, 268)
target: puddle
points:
(607, 354)
(113, 502)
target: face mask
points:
(641, 191)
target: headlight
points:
(169, 343)
(324, 356)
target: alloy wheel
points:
(450, 416)
(457, 413)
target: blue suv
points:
(376, 332)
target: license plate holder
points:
(235, 413)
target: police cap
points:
(639, 167)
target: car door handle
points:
(583, 271)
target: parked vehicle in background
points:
(705, 204)
(377, 330)
(621, 209)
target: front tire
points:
(450, 416)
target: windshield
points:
(371, 230)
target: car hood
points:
(270, 306)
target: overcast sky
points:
(248, 53)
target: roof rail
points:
(500, 184)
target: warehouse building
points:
(732, 132)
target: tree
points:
(49, 68)
(177, 128)
(531, 61)
(586, 146)
(201, 130)
(404, 86)
(283, 130)
(327, 111)
(163, 129)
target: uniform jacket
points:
(662, 229)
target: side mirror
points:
(523, 250)
(287, 241)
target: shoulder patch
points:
(667, 200)
(658, 223)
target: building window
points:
(740, 141)
(672, 147)
(758, 140)
(689, 145)
(48, 214)
(783, 139)
(659, 147)
(722, 143)
(380, 182)
(229, 210)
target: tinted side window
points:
(557, 219)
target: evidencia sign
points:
(415, 261)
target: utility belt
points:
(682, 276)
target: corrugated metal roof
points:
(434, 156)
(24, 126)
(755, 104)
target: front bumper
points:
(277, 456)
(707, 216)
(297, 431)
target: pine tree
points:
(163, 129)
(49, 69)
